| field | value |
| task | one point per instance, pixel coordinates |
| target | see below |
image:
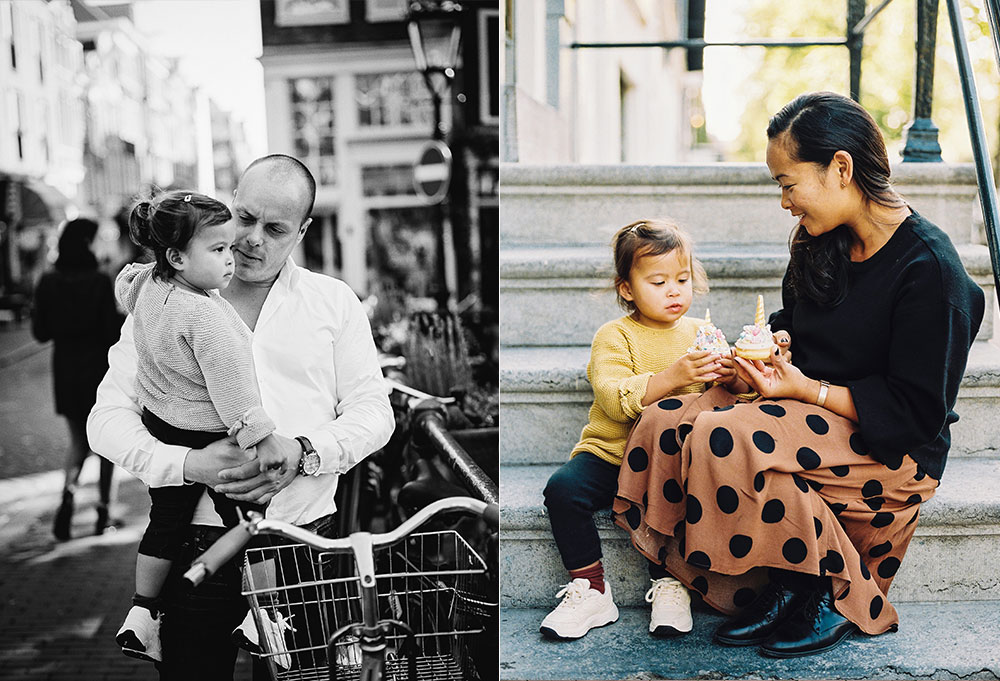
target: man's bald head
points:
(284, 168)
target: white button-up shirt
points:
(319, 376)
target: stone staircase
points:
(555, 291)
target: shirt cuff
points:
(331, 453)
(631, 392)
(170, 463)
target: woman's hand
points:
(780, 379)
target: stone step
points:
(545, 396)
(560, 295)
(726, 202)
(954, 554)
(935, 641)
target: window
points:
(394, 180)
(313, 126)
(393, 99)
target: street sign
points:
(432, 173)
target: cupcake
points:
(756, 340)
(710, 338)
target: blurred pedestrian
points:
(74, 307)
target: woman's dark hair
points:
(169, 220)
(818, 125)
(652, 237)
(74, 246)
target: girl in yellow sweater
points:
(635, 361)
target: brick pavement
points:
(61, 603)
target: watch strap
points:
(307, 449)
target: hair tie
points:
(187, 199)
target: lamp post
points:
(435, 31)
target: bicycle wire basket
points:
(434, 582)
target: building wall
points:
(600, 105)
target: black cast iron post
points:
(922, 136)
(855, 43)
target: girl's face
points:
(660, 287)
(811, 193)
(207, 262)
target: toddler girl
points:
(635, 361)
(194, 378)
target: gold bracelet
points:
(824, 388)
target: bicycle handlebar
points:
(235, 539)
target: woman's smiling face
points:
(810, 192)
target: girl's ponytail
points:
(140, 226)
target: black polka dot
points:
(633, 517)
(679, 528)
(920, 475)
(880, 549)
(743, 597)
(807, 458)
(883, 519)
(661, 555)
(672, 491)
(875, 609)
(638, 459)
(800, 483)
(818, 526)
(720, 442)
(645, 500)
(794, 550)
(670, 404)
(875, 503)
(758, 481)
(888, 567)
(773, 511)
(817, 424)
(858, 444)
(727, 499)
(844, 595)
(763, 441)
(773, 410)
(683, 431)
(914, 518)
(838, 508)
(700, 583)
(700, 559)
(740, 545)
(815, 485)
(833, 562)
(872, 488)
(725, 408)
(864, 569)
(668, 441)
(914, 499)
(693, 510)
(840, 471)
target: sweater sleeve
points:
(226, 363)
(908, 405)
(782, 319)
(618, 391)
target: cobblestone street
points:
(60, 602)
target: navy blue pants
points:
(580, 488)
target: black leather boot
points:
(64, 517)
(814, 628)
(776, 601)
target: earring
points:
(842, 185)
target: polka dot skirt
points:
(717, 490)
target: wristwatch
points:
(309, 463)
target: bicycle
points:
(435, 580)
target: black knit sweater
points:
(899, 341)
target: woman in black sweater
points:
(819, 481)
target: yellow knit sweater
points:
(623, 357)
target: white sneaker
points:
(671, 613)
(247, 637)
(140, 635)
(581, 609)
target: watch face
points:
(310, 463)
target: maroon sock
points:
(595, 573)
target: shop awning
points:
(31, 202)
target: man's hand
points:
(203, 465)
(245, 481)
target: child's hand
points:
(696, 367)
(270, 455)
(728, 376)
